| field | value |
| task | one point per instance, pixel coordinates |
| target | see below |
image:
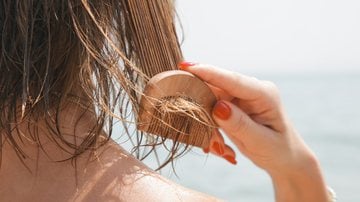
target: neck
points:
(45, 154)
(108, 170)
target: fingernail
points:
(222, 110)
(217, 148)
(206, 150)
(184, 65)
(231, 159)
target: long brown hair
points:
(105, 51)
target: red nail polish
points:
(231, 159)
(184, 65)
(217, 148)
(222, 110)
(206, 150)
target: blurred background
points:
(311, 50)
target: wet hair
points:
(99, 53)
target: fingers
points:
(220, 94)
(229, 155)
(239, 127)
(259, 99)
(237, 85)
(218, 147)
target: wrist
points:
(305, 183)
(296, 165)
(295, 157)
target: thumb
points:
(237, 125)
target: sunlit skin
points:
(249, 112)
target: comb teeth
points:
(177, 105)
(181, 125)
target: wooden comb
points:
(180, 125)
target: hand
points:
(250, 113)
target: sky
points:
(272, 35)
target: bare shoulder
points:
(117, 176)
(153, 187)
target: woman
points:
(57, 94)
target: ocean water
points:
(324, 107)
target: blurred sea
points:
(325, 109)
